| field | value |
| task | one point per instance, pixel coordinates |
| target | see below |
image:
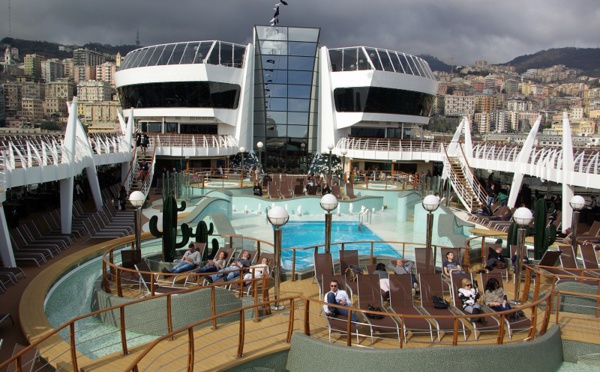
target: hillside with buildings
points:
(499, 99)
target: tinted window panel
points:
(299, 91)
(298, 104)
(180, 94)
(383, 100)
(156, 55)
(303, 34)
(275, 76)
(177, 53)
(302, 49)
(226, 54)
(298, 118)
(336, 60)
(274, 62)
(277, 104)
(276, 117)
(374, 58)
(189, 53)
(300, 77)
(301, 63)
(166, 54)
(275, 91)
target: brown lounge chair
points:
(401, 303)
(369, 295)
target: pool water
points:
(311, 234)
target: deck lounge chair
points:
(347, 258)
(223, 279)
(568, 261)
(336, 323)
(273, 191)
(323, 265)
(431, 285)
(147, 278)
(350, 191)
(259, 284)
(197, 279)
(513, 325)
(492, 322)
(424, 261)
(335, 190)
(3, 317)
(588, 255)
(490, 249)
(369, 294)
(401, 303)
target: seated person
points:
(259, 271)
(233, 270)
(450, 266)
(495, 259)
(190, 259)
(469, 296)
(257, 189)
(525, 261)
(338, 296)
(405, 267)
(325, 189)
(214, 265)
(384, 281)
(494, 296)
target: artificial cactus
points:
(169, 233)
(201, 235)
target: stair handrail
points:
(479, 189)
(145, 189)
(474, 189)
(128, 180)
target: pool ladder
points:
(365, 215)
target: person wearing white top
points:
(260, 270)
(338, 296)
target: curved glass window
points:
(363, 58)
(225, 54)
(383, 101)
(192, 94)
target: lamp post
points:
(136, 199)
(259, 145)
(278, 217)
(522, 218)
(328, 203)
(242, 151)
(430, 203)
(330, 147)
(577, 203)
(344, 152)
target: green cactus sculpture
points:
(169, 233)
(201, 235)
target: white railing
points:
(193, 141)
(469, 190)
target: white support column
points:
(68, 157)
(521, 163)
(568, 190)
(92, 176)
(6, 252)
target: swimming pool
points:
(298, 234)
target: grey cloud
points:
(452, 30)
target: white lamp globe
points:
(278, 216)
(523, 216)
(577, 202)
(430, 203)
(330, 146)
(137, 198)
(242, 149)
(259, 145)
(329, 202)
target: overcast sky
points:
(455, 31)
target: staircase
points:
(468, 189)
(131, 182)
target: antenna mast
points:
(9, 21)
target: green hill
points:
(585, 59)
